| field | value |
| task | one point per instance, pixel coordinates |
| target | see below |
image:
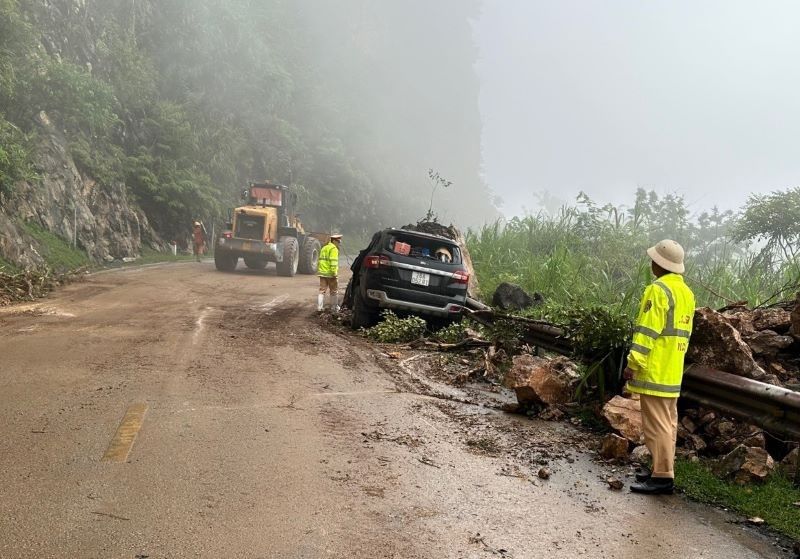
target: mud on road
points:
(266, 433)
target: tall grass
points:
(588, 259)
(590, 265)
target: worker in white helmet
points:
(655, 362)
(328, 271)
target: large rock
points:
(695, 443)
(641, 455)
(794, 329)
(789, 463)
(538, 381)
(717, 344)
(777, 319)
(511, 297)
(725, 435)
(767, 342)
(625, 416)
(103, 218)
(614, 447)
(745, 464)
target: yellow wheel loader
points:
(266, 229)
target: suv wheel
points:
(363, 316)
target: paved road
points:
(260, 433)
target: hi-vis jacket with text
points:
(661, 337)
(329, 261)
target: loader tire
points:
(255, 263)
(291, 257)
(225, 261)
(309, 256)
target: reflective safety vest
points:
(661, 337)
(328, 261)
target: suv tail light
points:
(227, 235)
(461, 276)
(376, 261)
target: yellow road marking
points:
(121, 444)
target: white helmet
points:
(668, 254)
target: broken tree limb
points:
(469, 343)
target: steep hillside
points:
(126, 119)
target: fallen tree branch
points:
(468, 343)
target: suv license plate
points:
(419, 278)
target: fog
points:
(604, 97)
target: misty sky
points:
(696, 97)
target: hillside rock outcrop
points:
(102, 219)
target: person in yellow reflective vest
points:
(655, 362)
(328, 271)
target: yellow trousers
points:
(328, 284)
(660, 424)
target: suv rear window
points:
(423, 247)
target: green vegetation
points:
(594, 255)
(589, 263)
(58, 253)
(452, 333)
(393, 329)
(15, 157)
(7, 267)
(186, 101)
(773, 500)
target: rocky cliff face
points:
(107, 224)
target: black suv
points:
(407, 271)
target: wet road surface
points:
(175, 411)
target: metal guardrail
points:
(773, 408)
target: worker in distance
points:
(328, 271)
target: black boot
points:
(655, 486)
(643, 474)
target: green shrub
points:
(393, 329)
(452, 333)
(600, 336)
(58, 253)
(80, 102)
(15, 162)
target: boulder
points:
(521, 368)
(721, 428)
(511, 297)
(614, 447)
(745, 464)
(538, 381)
(640, 455)
(688, 424)
(789, 463)
(777, 319)
(716, 343)
(794, 317)
(732, 435)
(696, 443)
(706, 417)
(625, 416)
(767, 342)
(741, 319)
